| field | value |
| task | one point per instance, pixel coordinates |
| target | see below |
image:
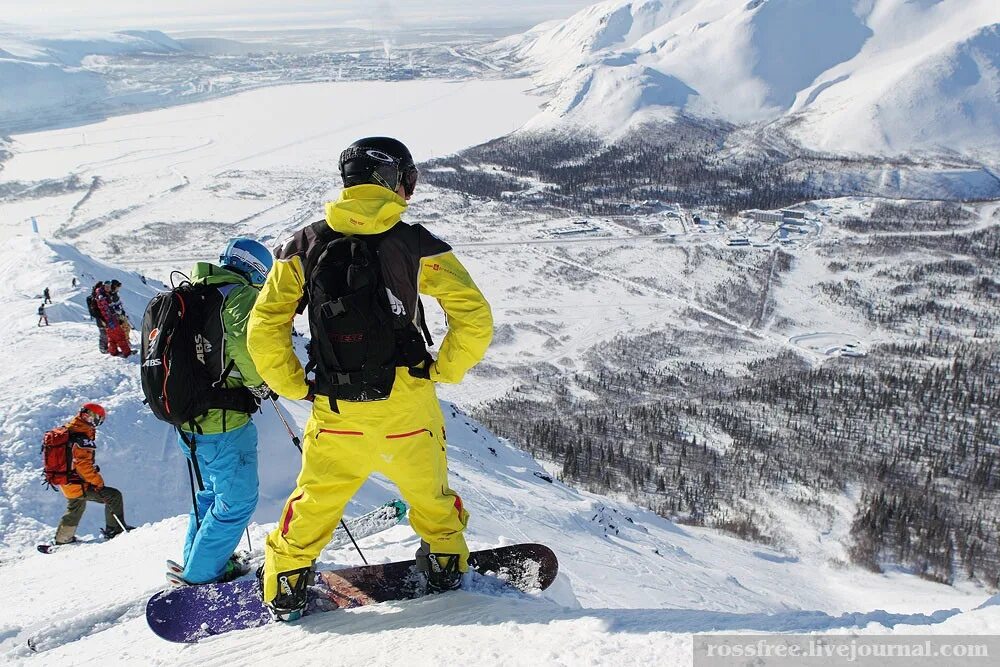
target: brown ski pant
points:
(114, 506)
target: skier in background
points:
(45, 295)
(95, 312)
(42, 317)
(86, 483)
(401, 436)
(118, 345)
(74, 281)
(119, 309)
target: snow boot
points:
(237, 565)
(444, 574)
(441, 570)
(112, 533)
(293, 593)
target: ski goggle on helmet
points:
(94, 412)
(380, 160)
(248, 257)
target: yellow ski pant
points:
(402, 438)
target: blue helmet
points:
(248, 257)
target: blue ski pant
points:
(228, 466)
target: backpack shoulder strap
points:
(426, 244)
(307, 244)
(321, 234)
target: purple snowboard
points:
(194, 612)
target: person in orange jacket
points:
(86, 482)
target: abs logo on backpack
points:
(202, 347)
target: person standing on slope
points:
(118, 345)
(86, 483)
(46, 297)
(119, 310)
(224, 442)
(383, 419)
(95, 312)
(42, 317)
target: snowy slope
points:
(849, 76)
(49, 371)
(633, 586)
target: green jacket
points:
(235, 312)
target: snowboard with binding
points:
(186, 615)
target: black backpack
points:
(92, 308)
(359, 338)
(183, 345)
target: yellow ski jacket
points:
(367, 209)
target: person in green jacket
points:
(224, 442)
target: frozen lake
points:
(229, 159)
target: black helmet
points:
(380, 160)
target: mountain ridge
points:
(867, 77)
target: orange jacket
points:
(83, 436)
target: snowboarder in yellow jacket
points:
(369, 415)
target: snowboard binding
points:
(293, 593)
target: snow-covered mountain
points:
(871, 77)
(40, 73)
(633, 586)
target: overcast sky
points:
(169, 15)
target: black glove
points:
(311, 393)
(423, 371)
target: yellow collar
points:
(365, 209)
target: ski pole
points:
(124, 529)
(347, 530)
(249, 544)
(298, 445)
(295, 438)
(194, 498)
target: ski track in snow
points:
(687, 303)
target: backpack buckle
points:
(334, 308)
(343, 378)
